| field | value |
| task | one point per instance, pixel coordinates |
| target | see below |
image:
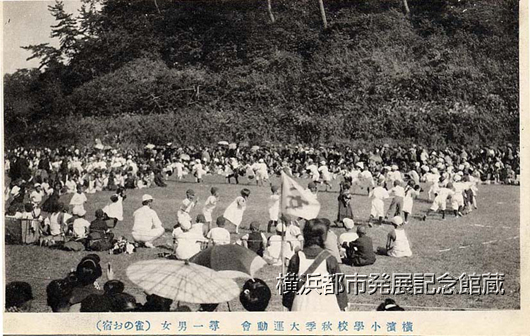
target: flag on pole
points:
(296, 201)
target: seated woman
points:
(314, 259)
(397, 242)
(100, 238)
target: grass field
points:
(496, 219)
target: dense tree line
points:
(434, 72)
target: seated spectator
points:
(100, 237)
(147, 226)
(255, 295)
(389, 305)
(255, 240)
(347, 237)
(58, 295)
(56, 225)
(332, 241)
(187, 243)
(114, 209)
(86, 274)
(361, 251)
(273, 252)
(18, 297)
(155, 303)
(397, 242)
(219, 235)
(81, 226)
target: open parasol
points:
(254, 148)
(150, 146)
(223, 143)
(182, 281)
(233, 261)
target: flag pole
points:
(282, 233)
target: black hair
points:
(315, 232)
(58, 294)
(255, 295)
(18, 293)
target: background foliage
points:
(198, 72)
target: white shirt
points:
(53, 222)
(145, 219)
(81, 226)
(78, 199)
(36, 196)
(219, 236)
(398, 191)
(115, 209)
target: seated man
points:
(147, 226)
(361, 251)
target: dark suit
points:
(364, 253)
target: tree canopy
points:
(446, 72)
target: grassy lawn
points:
(496, 219)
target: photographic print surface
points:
(235, 156)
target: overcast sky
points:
(26, 23)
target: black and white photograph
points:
(319, 160)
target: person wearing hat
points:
(80, 226)
(274, 207)
(85, 280)
(397, 242)
(37, 195)
(147, 226)
(361, 251)
(255, 240)
(440, 201)
(187, 242)
(347, 237)
(18, 297)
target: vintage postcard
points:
(265, 167)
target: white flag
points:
(296, 201)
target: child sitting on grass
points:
(255, 240)
(219, 235)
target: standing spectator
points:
(314, 259)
